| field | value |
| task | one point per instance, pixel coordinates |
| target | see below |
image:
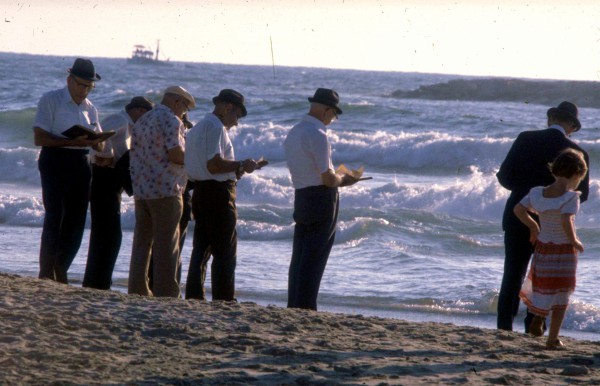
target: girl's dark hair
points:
(569, 163)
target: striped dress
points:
(551, 278)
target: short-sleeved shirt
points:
(119, 143)
(550, 211)
(308, 152)
(152, 174)
(205, 140)
(57, 112)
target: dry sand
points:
(64, 335)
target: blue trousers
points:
(315, 213)
(65, 176)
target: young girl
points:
(551, 277)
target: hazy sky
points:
(536, 39)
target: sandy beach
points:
(66, 335)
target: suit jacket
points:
(526, 166)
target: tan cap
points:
(178, 90)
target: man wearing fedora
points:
(64, 167)
(211, 165)
(108, 182)
(158, 180)
(526, 166)
(316, 198)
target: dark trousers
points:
(65, 176)
(215, 213)
(518, 252)
(105, 233)
(315, 213)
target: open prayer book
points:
(78, 130)
(356, 173)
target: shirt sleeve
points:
(321, 151)
(571, 206)
(526, 201)
(44, 113)
(174, 133)
(214, 142)
(95, 121)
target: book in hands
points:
(78, 130)
(355, 173)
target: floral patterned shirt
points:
(152, 174)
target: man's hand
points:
(83, 141)
(103, 161)
(249, 165)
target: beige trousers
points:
(156, 231)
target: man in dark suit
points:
(526, 166)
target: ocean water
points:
(420, 241)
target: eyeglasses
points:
(185, 104)
(335, 116)
(89, 86)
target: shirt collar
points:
(214, 119)
(309, 118)
(559, 128)
(66, 97)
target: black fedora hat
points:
(139, 101)
(84, 69)
(567, 111)
(231, 96)
(326, 97)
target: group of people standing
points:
(157, 156)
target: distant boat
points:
(144, 55)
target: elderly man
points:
(158, 180)
(105, 198)
(64, 167)
(210, 163)
(526, 166)
(308, 154)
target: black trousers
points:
(65, 176)
(105, 233)
(315, 213)
(518, 251)
(215, 213)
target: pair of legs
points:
(105, 232)
(550, 282)
(556, 321)
(156, 231)
(65, 176)
(186, 217)
(315, 213)
(518, 252)
(215, 213)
